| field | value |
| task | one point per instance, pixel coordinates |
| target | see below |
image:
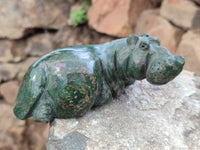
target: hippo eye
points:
(144, 46)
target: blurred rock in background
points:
(114, 17)
(182, 13)
(190, 49)
(18, 17)
(32, 28)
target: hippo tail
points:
(30, 91)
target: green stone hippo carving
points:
(69, 81)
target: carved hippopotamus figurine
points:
(69, 81)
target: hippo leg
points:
(43, 111)
(105, 96)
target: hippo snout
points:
(164, 69)
(180, 60)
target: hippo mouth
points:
(164, 69)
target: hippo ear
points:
(132, 40)
(154, 40)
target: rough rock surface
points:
(114, 17)
(5, 51)
(146, 117)
(197, 1)
(17, 50)
(11, 129)
(152, 23)
(9, 91)
(67, 36)
(8, 71)
(18, 134)
(39, 44)
(189, 47)
(36, 135)
(183, 13)
(17, 17)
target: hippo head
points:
(151, 61)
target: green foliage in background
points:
(80, 16)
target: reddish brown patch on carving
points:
(63, 105)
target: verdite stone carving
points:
(67, 82)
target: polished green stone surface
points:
(69, 81)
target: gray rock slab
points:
(145, 117)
